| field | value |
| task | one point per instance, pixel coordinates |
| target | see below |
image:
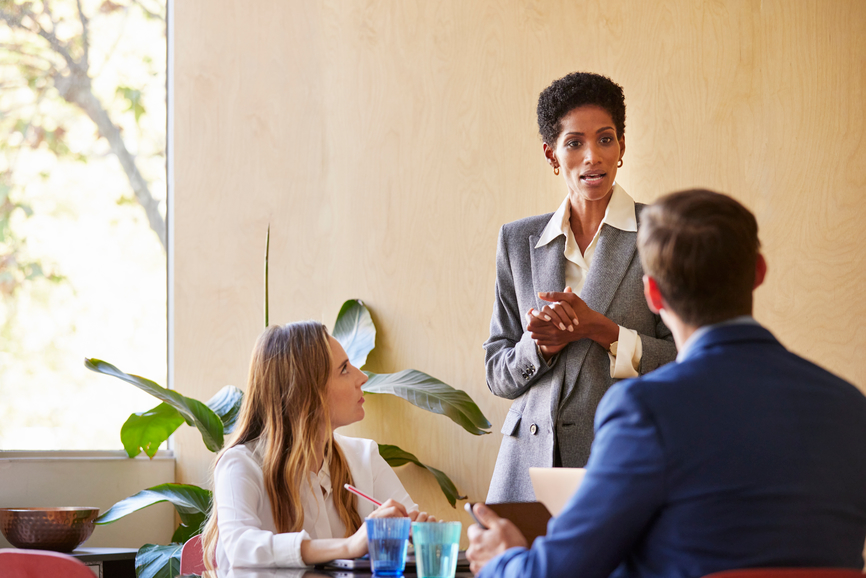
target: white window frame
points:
(10, 456)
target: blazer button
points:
(533, 429)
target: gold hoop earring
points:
(556, 171)
(619, 164)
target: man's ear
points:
(760, 271)
(653, 296)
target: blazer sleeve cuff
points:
(528, 361)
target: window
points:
(82, 217)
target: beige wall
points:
(386, 142)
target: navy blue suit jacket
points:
(742, 454)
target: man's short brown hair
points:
(701, 248)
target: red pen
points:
(358, 492)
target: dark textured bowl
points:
(57, 529)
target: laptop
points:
(362, 563)
(554, 486)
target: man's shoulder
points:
(668, 375)
(661, 387)
(745, 369)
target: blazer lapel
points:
(610, 262)
(548, 267)
(548, 274)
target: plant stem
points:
(267, 250)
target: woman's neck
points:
(585, 219)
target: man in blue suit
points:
(740, 454)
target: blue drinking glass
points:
(387, 539)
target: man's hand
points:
(485, 545)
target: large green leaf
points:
(147, 430)
(187, 500)
(427, 392)
(355, 331)
(184, 532)
(227, 405)
(154, 561)
(397, 457)
(193, 411)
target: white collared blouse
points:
(625, 354)
(247, 534)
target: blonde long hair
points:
(285, 408)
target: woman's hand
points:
(320, 550)
(553, 327)
(357, 542)
(421, 516)
(390, 509)
(545, 333)
(568, 318)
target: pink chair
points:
(192, 557)
(788, 573)
(15, 563)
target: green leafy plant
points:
(146, 431)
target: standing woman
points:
(279, 499)
(569, 316)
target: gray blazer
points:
(555, 404)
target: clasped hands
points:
(568, 318)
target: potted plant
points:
(146, 431)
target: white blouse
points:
(625, 353)
(247, 535)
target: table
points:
(108, 562)
(322, 571)
(308, 573)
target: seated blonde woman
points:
(279, 499)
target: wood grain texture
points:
(386, 141)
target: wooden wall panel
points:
(386, 141)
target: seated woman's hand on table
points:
(484, 545)
(568, 318)
(357, 546)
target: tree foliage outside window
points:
(82, 214)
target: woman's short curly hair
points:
(574, 90)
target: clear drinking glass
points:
(436, 547)
(387, 539)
